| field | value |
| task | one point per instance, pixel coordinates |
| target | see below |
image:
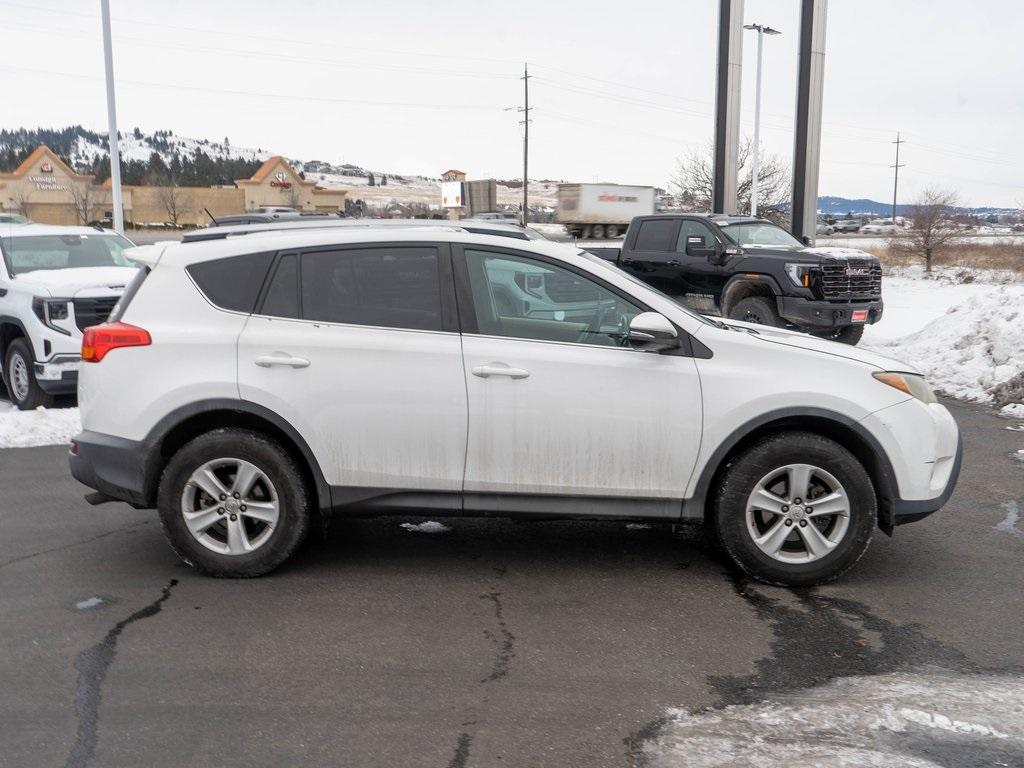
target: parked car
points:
(752, 270)
(54, 283)
(13, 218)
(847, 225)
(880, 227)
(823, 228)
(245, 387)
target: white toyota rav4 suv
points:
(244, 387)
(54, 283)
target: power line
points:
(258, 94)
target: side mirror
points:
(721, 255)
(652, 332)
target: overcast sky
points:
(621, 90)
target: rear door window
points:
(233, 283)
(657, 235)
(388, 287)
(282, 299)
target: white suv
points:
(244, 387)
(54, 283)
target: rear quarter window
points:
(232, 283)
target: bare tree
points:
(693, 181)
(22, 199)
(83, 197)
(932, 225)
(294, 196)
(174, 200)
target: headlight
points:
(802, 274)
(48, 310)
(911, 383)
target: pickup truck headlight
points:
(48, 310)
(911, 383)
(802, 274)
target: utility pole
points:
(896, 174)
(526, 142)
(755, 161)
(115, 153)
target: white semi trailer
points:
(596, 211)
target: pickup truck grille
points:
(838, 285)
(93, 311)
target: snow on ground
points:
(965, 337)
(923, 720)
(23, 429)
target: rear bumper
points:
(825, 314)
(111, 465)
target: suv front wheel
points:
(795, 509)
(233, 503)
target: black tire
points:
(741, 477)
(756, 309)
(32, 395)
(850, 334)
(294, 499)
(597, 232)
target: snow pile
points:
(22, 429)
(430, 526)
(1012, 411)
(909, 720)
(971, 349)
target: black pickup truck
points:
(750, 269)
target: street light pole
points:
(115, 154)
(755, 162)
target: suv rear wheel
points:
(756, 309)
(234, 503)
(795, 509)
(20, 378)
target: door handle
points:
(266, 361)
(499, 369)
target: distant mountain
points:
(841, 206)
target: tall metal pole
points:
(727, 106)
(807, 138)
(526, 143)
(896, 175)
(115, 154)
(755, 161)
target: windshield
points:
(27, 254)
(758, 233)
(677, 301)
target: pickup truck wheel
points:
(20, 378)
(795, 509)
(233, 503)
(850, 334)
(756, 309)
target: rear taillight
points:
(98, 340)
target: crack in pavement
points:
(61, 547)
(504, 641)
(92, 665)
(506, 644)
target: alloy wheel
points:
(230, 506)
(798, 513)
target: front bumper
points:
(111, 465)
(59, 376)
(808, 313)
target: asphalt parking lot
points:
(494, 643)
